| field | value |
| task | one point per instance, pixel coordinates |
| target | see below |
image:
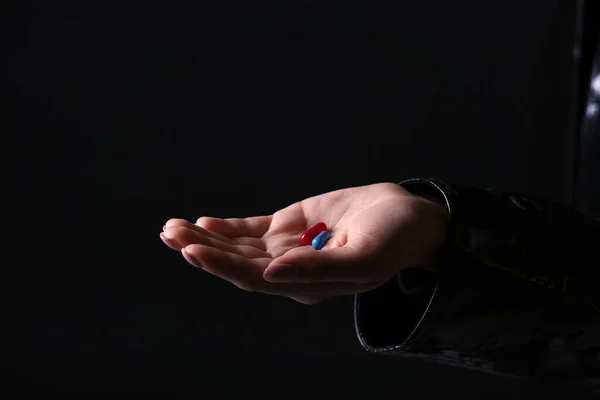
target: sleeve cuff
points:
(469, 315)
(389, 316)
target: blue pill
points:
(319, 241)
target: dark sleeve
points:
(517, 291)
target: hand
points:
(376, 230)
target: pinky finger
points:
(247, 274)
(243, 272)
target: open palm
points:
(372, 230)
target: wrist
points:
(435, 221)
(433, 206)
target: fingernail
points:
(170, 242)
(281, 273)
(190, 258)
(164, 228)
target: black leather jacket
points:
(518, 292)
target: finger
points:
(339, 264)
(235, 227)
(189, 225)
(247, 241)
(247, 274)
(243, 272)
(170, 243)
(183, 237)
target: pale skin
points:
(376, 231)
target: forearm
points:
(544, 242)
(512, 295)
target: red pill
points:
(312, 232)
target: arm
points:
(515, 294)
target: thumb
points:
(308, 265)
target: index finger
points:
(187, 224)
(236, 227)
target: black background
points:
(123, 115)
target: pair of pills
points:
(317, 235)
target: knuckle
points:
(202, 221)
(176, 222)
